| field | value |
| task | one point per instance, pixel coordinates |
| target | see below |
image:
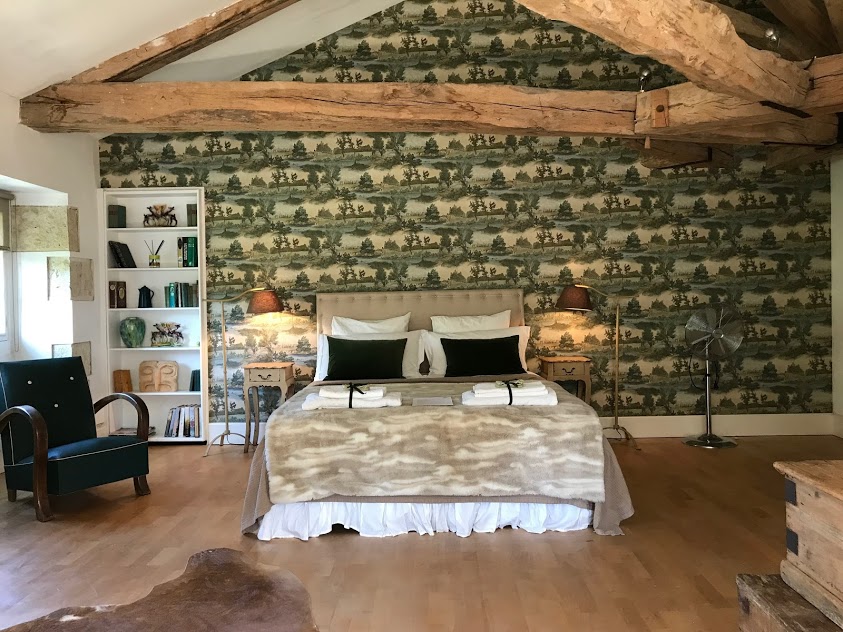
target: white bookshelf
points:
(192, 355)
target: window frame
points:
(8, 276)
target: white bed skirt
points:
(378, 520)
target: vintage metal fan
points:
(712, 334)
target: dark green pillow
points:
(361, 360)
(482, 356)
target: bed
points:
(390, 471)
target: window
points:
(6, 281)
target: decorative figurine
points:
(167, 335)
(158, 376)
(160, 215)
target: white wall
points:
(837, 291)
(65, 163)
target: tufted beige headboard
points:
(421, 304)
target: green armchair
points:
(49, 435)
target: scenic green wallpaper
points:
(307, 213)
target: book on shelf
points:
(186, 256)
(122, 255)
(192, 214)
(116, 294)
(130, 432)
(184, 421)
(116, 216)
(181, 295)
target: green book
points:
(191, 252)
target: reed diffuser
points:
(154, 255)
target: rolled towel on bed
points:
(314, 402)
(470, 398)
(341, 392)
(520, 388)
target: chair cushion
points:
(83, 464)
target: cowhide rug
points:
(218, 591)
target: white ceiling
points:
(47, 41)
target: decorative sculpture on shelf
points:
(167, 335)
(159, 376)
(160, 215)
(132, 331)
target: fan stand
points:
(709, 439)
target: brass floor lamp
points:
(576, 298)
(262, 301)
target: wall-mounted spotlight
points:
(644, 78)
(773, 38)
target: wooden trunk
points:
(814, 563)
(767, 604)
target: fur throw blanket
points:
(457, 450)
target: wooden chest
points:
(767, 604)
(814, 563)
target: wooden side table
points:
(267, 374)
(573, 368)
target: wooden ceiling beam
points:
(788, 157)
(367, 107)
(808, 19)
(183, 41)
(298, 106)
(834, 8)
(691, 109)
(692, 36)
(666, 154)
(754, 30)
(818, 131)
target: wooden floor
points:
(701, 518)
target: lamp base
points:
(623, 435)
(221, 438)
(711, 441)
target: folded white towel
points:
(341, 392)
(519, 389)
(314, 402)
(469, 398)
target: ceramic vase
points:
(132, 331)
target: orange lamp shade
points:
(265, 302)
(575, 298)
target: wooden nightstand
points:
(568, 368)
(266, 374)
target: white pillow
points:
(432, 343)
(459, 324)
(342, 326)
(413, 351)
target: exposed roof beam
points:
(813, 132)
(788, 157)
(808, 19)
(754, 30)
(366, 107)
(835, 16)
(692, 36)
(691, 109)
(183, 41)
(298, 106)
(666, 154)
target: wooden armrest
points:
(39, 456)
(139, 405)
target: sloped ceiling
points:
(44, 41)
(272, 38)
